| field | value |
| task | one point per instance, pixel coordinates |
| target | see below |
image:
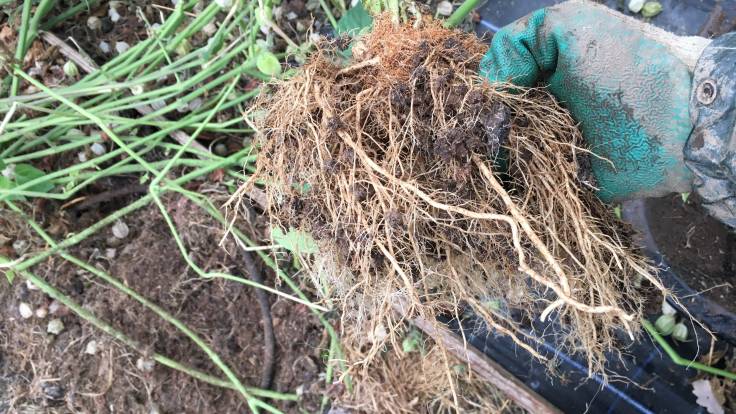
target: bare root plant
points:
(418, 178)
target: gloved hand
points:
(627, 84)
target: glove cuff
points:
(710, 151)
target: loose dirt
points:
(699, 248)
(46, 372)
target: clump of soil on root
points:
(420, 179)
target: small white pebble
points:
(145, 365)
(156, 105)
(136, 89)
(30, 285)
(291, 15)
(224, 4)
(82, 157)
(636, 5)
(277, 12)
(667, 309)
(105, 47)
(174, 2)
(120, 229)
(42, 312)
(155, 26)
(444, 8)
(121, 47)
(20, 246)
(54, 307)
(9, 172)
(91, 347)
(314, 37)
(25, 310)
(98, 149)
(195, 104)
(379, 333)
(55, 326)
(210, 28)
(113, 14)
(221, 149)
(312, 5)
(110, 253)
(94, 23)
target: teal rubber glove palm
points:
(625, 82)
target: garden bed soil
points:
(700, 249)
(58, 373)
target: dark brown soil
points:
(40, 371)
(700, 249)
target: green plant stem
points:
(41, 11)
(393, 7)
(72, 11)
(328, 13)
(457, 17)
(677, 359)
(20, 49)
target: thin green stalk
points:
(70, 12)
(393, 7)
(20, 49)
(41, 11)
(51, 151)
(459, 15)
(677, 359)
(328, 13)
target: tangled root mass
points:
(417, 176)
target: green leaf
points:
(5, 184)
(295, 241)
(26, 172)
(492, 304)
(617, 211)
(268, 63)
(460, 369)
(412, 342)
(355, 21)
(684, 197)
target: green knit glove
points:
(629, 92)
